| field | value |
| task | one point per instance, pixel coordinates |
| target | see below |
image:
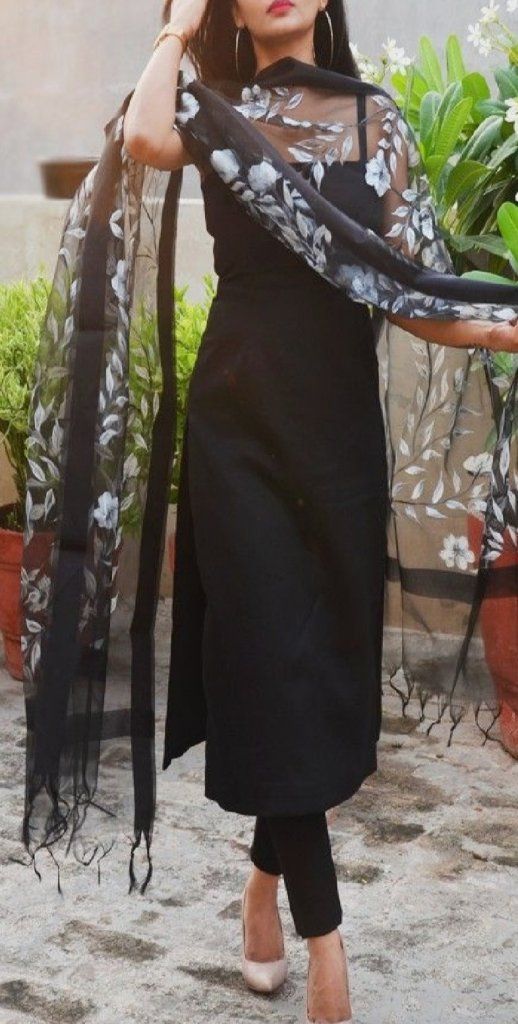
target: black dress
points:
(281, 529)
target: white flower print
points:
(225, 163)
(480, 463)
(256, 102)
(188, 109)
(456, 552)
(377, 173)
(262, 176)
(107, 511)
(37, 595)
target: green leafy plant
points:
(470, 152)
(22, 307)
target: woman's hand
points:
(186, 15)
(503, 337)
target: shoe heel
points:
(260, 975)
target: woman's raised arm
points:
(149, 120)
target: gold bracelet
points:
(169, 30)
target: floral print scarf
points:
(103, 437)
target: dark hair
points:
(212, 48)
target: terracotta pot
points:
(11, 548)
(62, 176)
(499, 622)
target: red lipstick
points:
(278, 6)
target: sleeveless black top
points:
(241, 245)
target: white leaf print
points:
(411, 512)
(438, 492)
(295, 101)
(37, 470)
(504, 460)
(318, 173)
(346, 148)
(300, 154)
(395, 231)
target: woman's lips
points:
(279, 5)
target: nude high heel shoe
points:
(307, 1018)
(261, 976)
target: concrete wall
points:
(31, 226)
(63, 75)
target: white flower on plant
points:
(512, 112)
(377, 173)
(486, 46)
(366, 67)
(188, 108)
(225, 163)
(395, 56)
(490, 13)
(456, 552)
(107, 510)
(475, 34)
(262, 176)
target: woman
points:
(282, 508)
(270, 490)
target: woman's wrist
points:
(174, 30)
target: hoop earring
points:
(238, 36)
(325, 12)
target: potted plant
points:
(62, 176)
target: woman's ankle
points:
(321, 944)
(262, 882)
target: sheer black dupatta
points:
(103, 422)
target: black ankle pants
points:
(298, 847)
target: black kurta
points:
(280, 549)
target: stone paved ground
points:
(427, 856)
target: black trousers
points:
(298, 847)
